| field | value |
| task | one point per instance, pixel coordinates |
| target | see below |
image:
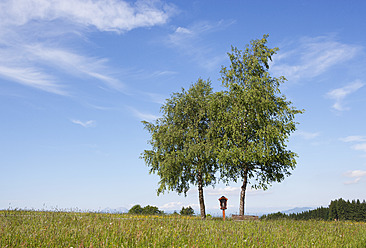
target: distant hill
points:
(125, 210)
(120, 210)
(296, 210)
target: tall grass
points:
(70, 229)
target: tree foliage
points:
(254, 121)
(137, 209)
(240, 132)
(347, 210)
(187, 211)
(337, 210)
(182, 153)
(147, 210)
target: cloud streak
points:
(312, 57)
(172, 205)
(340, 94)
(359, 141)
(32, 77)
(106, 15)
(360, 147)
(231, 191)
(354, 138)
(189, 41)
(33, 54)
(306, 135)
(143, 116)
(356, 174)
(90, 123)
(73, 63)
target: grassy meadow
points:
(74, 229)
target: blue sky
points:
(78, 77)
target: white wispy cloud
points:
(360, 147)
(307, 135)
(223, 191)
(32, 77)
(233, 191)
(163, 73)
(356, 174)
(73, 63)
(178, 206)
(143, 116)
(358, 142)
(156, 98)
(105, 15)
(34, 36)
(354, 138)
(190, 42)
(312, 57)
(183, 31)
(340, 94)
(90, 123)
(36, 66)
(354, 181)
(172, 205)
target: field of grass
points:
(69, 229)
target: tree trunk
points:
(200, 196)
(242, 193)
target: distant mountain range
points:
(121, 210)
(125, 210)
(296, 210)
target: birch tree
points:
(254, 121)
(182, 153)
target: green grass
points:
(67, 229)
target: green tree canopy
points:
(254, 120)
(137, 209)
(187, 211)
(148, 210)
(182, 153)
(151, 210)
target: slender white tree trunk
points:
(242, 193)
(200, 196)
